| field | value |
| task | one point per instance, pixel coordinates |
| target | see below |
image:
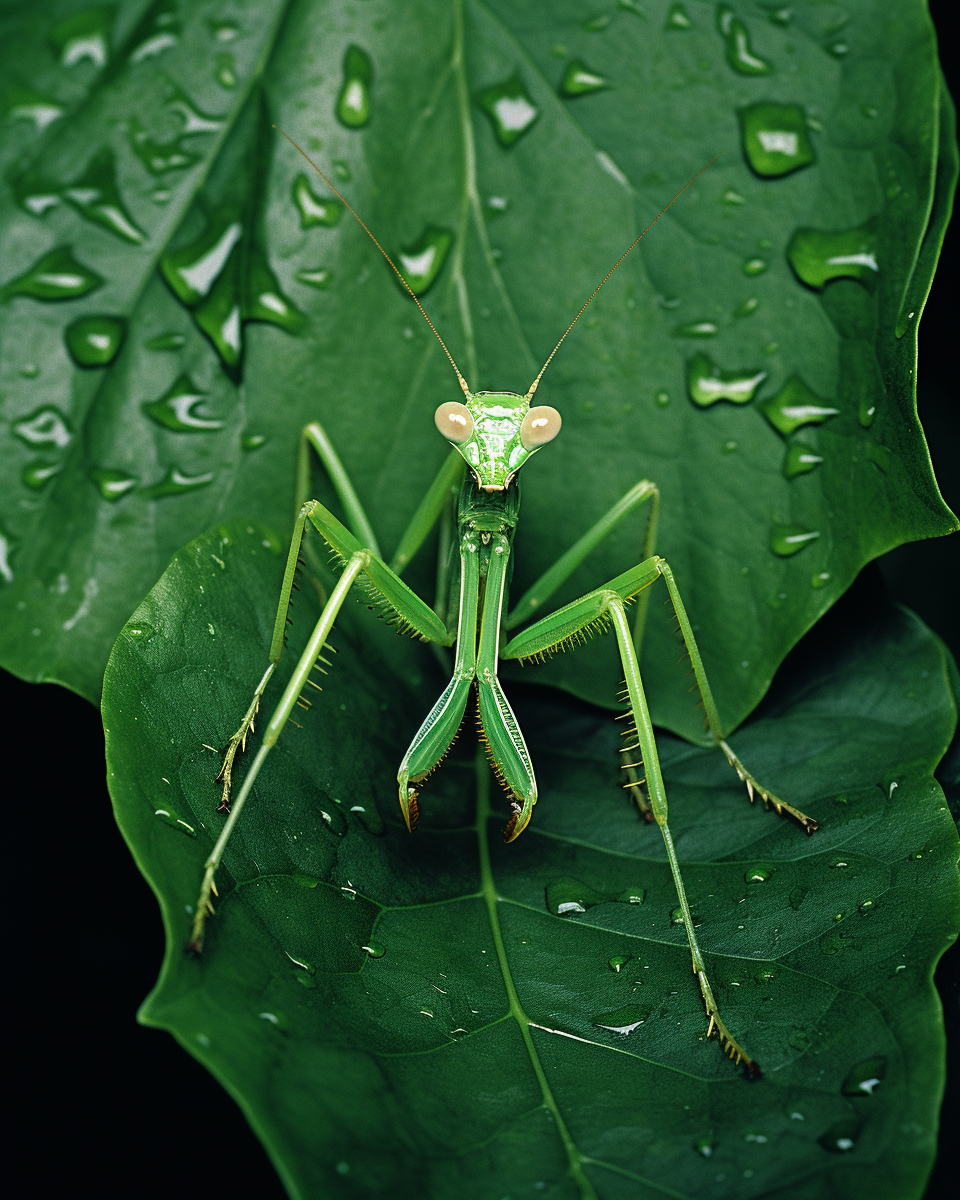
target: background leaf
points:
(352, 996)
(143, 144)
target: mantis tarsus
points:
(493, 433)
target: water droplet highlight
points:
(707, 383)
(85, 36)
(192, 270)
(758, 874)
(786, 540)
(38, 473)
(579, 80)
(754, 266)
(353, 100)
(818, 258)
(841, 1137)
(160, 157)
(618, 962)
(313, 209)
(56, 275)
(170, 816)
(112, 485)
(22, 104)
(622, 1021)
(661, 399)
(799, 460)
(95, 341)
(157, 31)
(421, 261)
(705, 1146)
(747, 308)
(821, 579)
(794, 406)
(43, 427)
(194, 119)
(775, 138)
(567, 896)
(864, 1078)
(677, 18)
(178, 409)
(374, 949)
(165, 341)
(739, 53)
(369, 817)
(96, 196)
(317, 277)
(510, 108)
(176, 482)
(695, 329)
(252, 441)
(226, 71)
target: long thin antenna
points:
(534, 385)
(332, 186)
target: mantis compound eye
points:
(454, 422)
(540, 425)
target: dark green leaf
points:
(352, 992)
(139, 146)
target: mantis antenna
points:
(534, 385)
(339, 194)
(463, 383)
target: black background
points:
(97, 1101)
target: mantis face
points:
(496, 432)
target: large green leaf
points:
(139, 151)
(405, 1016)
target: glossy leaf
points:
(366, 994)
(142, 155)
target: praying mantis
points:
(492, 435)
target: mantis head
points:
(496, 432)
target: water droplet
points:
(818, 257)
(758, 874)
(252, 441)
(22, 104)
(839, 862)
(597, 23)
(313, 209)
(374, 949)
(422, 260)
(226, 71)
(775, 138)
(566, 896)
(39, 472)
(728, 447)
(192, 270)
(510, 108)
(798, 460)
(177, 409)
(30, 371)
(747, 308)
(821, 579)
(95, 341)
(156, 32)
(265, 301)
(175, 482)
(707, 383)
(780, 16)
(837, 49)
(368, 816)
(866, 906)
(84, 36)
(305, 980)
(864, 1078)
(677, 18)
(160, 157)
(170, 816)
(631, 895)
(304, 880)
(732, 197)
(841, 1137)
(96, 196)
(740, 54)
(317, 277)
(622, 1021)
(112, 485)
(705, 1146)
(661, 399)
(579, 80)
(755, 266)
(696, 329)
(43, 427)
(796, 405)
(353, 100)
(791, 539)
(56, 275)
(165, 341)
(141, 630)
(618, 962)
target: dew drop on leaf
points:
(786, 540)
(707, 383)
(818, 257)
(353, 100)
(865, 1077)
(56, 275)
(775, 138)
(421, 261)
(314, 209)
(579, 80)
(112, 485)
(796, 405)
(510, 108)
(178, 409)
(94, 341)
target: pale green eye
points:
(540, 425)
(454, 422)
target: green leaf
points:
(408, 1015)
(139, 150)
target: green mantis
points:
(492, 435)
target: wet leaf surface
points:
(162, 243)
(365, 993)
